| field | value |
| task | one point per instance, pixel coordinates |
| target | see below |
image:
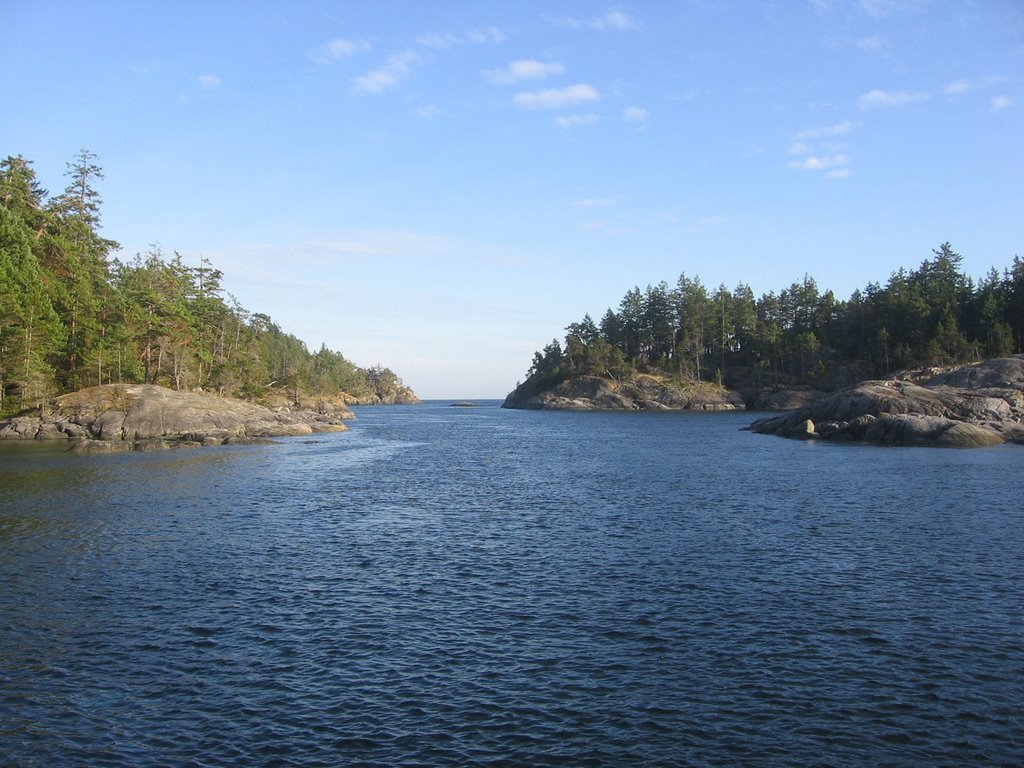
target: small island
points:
(633, 392)
(931, 358)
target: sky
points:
(442, 187)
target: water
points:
(454, 586)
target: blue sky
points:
(443, 186)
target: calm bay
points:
(478, 586)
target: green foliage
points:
(30, 330)
(934, 315)
(70, 316)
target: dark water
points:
(448, 586)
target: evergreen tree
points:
(692, 307)
(30, 330)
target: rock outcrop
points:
(640, 393)
(970, 406)
(147, 417)
(386, 394)
(783, 399)
(316, 407)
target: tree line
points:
(930, 316)
(72, 316)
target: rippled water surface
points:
(474, 586)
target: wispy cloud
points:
(876, 9)
(818, 149)
(391, 73)
(872, 43)
(338, 48)
(486, 35)
(359, 244)
(612, 20)
(964, 86)
(635, 115)
(958, 88)
(879, 9)
(879, 99)
(468, 37)
(572, 121)
(604, 226)
(428, 111)
(836, 164)
(999, 103)
(524, 69)
(210, 82)
(558, 98)
(837, 129)
(598, 202)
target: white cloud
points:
(338, 48)
(819, 152)
(878, 99)
(965, 86)
(557, 98)
(210, 82)
(999, 103)
(957, 87)
(833, 163)
(837, 129)
(614, 20)
(635, 115)
(395, 69)
(470, 36)
(598, 202)
(524, 69)
(571, 121)
(487, 35)
(442, 42)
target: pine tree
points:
(30, 330)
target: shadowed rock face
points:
(971, 406)
(142, 414)
(640, 393)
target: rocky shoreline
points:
(401, 396)
(120, 417)
(969, 406)
(641, 392)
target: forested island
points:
(688, 347)
(72, 316)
